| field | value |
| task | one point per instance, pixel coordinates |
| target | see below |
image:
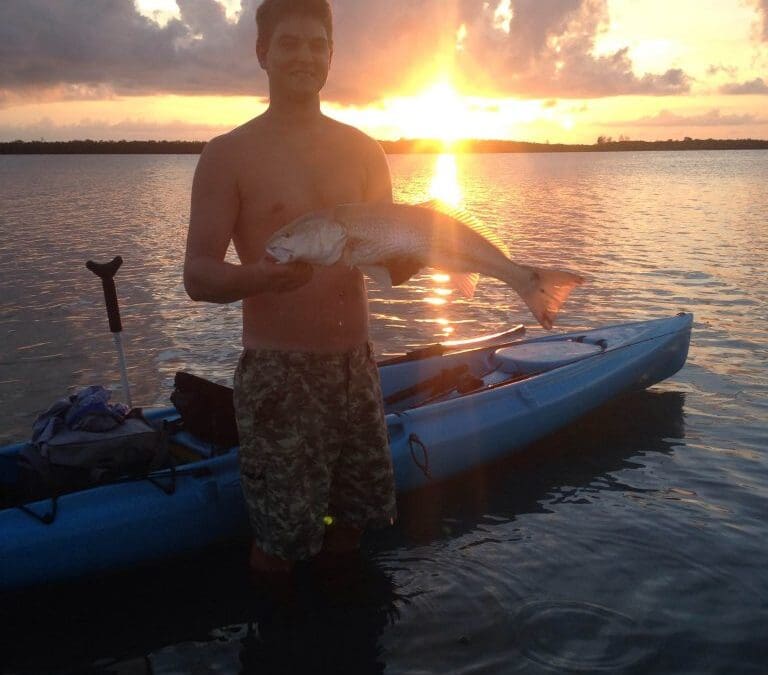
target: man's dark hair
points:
(271, 12)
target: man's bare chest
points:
(279, 190)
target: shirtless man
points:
(315, 465)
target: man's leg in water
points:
(362, 492)
(313, 444)
(285, 479)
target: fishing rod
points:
(106, 272)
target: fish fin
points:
(467, 219)
(402, 269)
(378, 273)
(465, 283)
(392, 272)
(435, 204)
(546, 291)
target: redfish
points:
(393, 242)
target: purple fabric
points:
(88, 410)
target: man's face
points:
(297, 58)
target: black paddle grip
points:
(107, 271)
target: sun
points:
(438, 112)
(444, 111)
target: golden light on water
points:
(444, 187)
(445, 181)
(446, 325)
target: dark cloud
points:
(756, 86)
(564, 63)
(762, 8)
(716, 69)
(381, 48)
(547, 52)
(47, 44)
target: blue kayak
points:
(449, 409)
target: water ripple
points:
(577, 636)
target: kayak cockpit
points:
(539, 357)
(491, 367)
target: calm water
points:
(634, 541)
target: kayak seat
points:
(537, 357)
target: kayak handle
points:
(107, 271)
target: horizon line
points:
(414, 145)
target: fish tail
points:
(544, 291)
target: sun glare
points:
(438, 112)
(444, 111)
(441, 113)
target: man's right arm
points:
(213, 214)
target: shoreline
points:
(402, 146)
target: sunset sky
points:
(533, 70)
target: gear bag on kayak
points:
(84, 441)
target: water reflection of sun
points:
(445, 182)
(445, 188)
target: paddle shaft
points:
(106, 272)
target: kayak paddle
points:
(106, 272)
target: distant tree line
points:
(402, 146)
(607, 144)
(604, 144)
(89, 147)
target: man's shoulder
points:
(353, 143)
(235, 137)
(350, 134)
(234, 145)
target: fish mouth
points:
(279, 254)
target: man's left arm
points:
(378, 181)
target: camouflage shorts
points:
(313, 444)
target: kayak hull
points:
(458, 434)
(127, 524)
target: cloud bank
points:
(107, 43)
(712, 118)
(756, 86)
(129, 129)
(527, 48)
